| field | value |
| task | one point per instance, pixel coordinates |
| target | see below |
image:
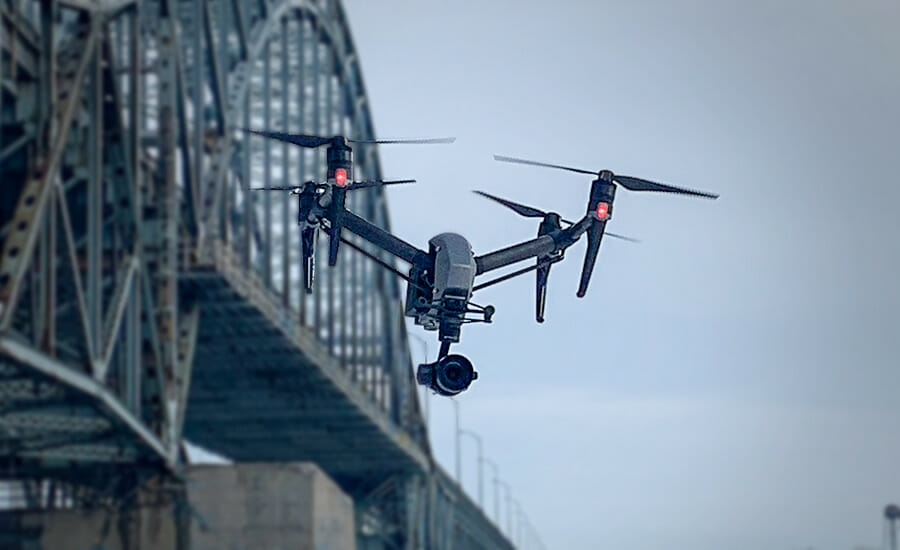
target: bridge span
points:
(148, 297)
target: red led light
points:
(603, 211)
(340, 176)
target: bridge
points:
(148, 297)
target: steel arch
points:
(144, 291)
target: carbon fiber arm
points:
(540, 246)
(384, 240)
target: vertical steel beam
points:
(168, 209)
(301, 164)
(377, 323)
(344, 311)
(2, 78)
(94, 235)
(134, 365)
(224, 26)
(355, 297)
(229, 192)
(329, 131)
(318, 296)
(238, 9)
(216, 75)
(47, 341)
(47, 89)
(198, 18)
(286, 202)
(267, 164)
(248, 202)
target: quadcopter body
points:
(441, 280)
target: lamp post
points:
(424, 360)
(891, 515)
(477, 439)
(508, 509)
(458, 464)
(529, 533)
(517, 534)
(524, 528)
(496, 490)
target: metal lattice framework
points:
(147, 295)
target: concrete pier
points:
(248, 506)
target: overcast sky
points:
(730, 382)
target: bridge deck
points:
(263, 388)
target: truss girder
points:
(129, 182)
(72, 266)
(139, 275)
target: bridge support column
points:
(150, 517)
(244, 505)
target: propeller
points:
(531, 212)
(375, 183)
(628, 182)
(550, 224)
(502, 158)
(297, 139)
(278, 188)
(304, 140)
(349, 187)
(392, 141)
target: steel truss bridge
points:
(147, 297)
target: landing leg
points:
(308, 243)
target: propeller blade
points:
(595, 235)
(623, 237)
(276, 188)
(615, 235)
(297, 139)
(520, 209)
(530, 212)
(638, 184)
(375, 183)
(502, 158)
(405, 141)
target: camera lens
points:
(453, 374)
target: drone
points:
(441, 280)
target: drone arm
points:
(516, 253)
(382, 239)
(543, 245)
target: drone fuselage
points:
(438, 295)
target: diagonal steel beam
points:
(218, 89)
(114, 316)
(187, 344)
(76, 274)
(17, 251)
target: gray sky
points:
(732, 381)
